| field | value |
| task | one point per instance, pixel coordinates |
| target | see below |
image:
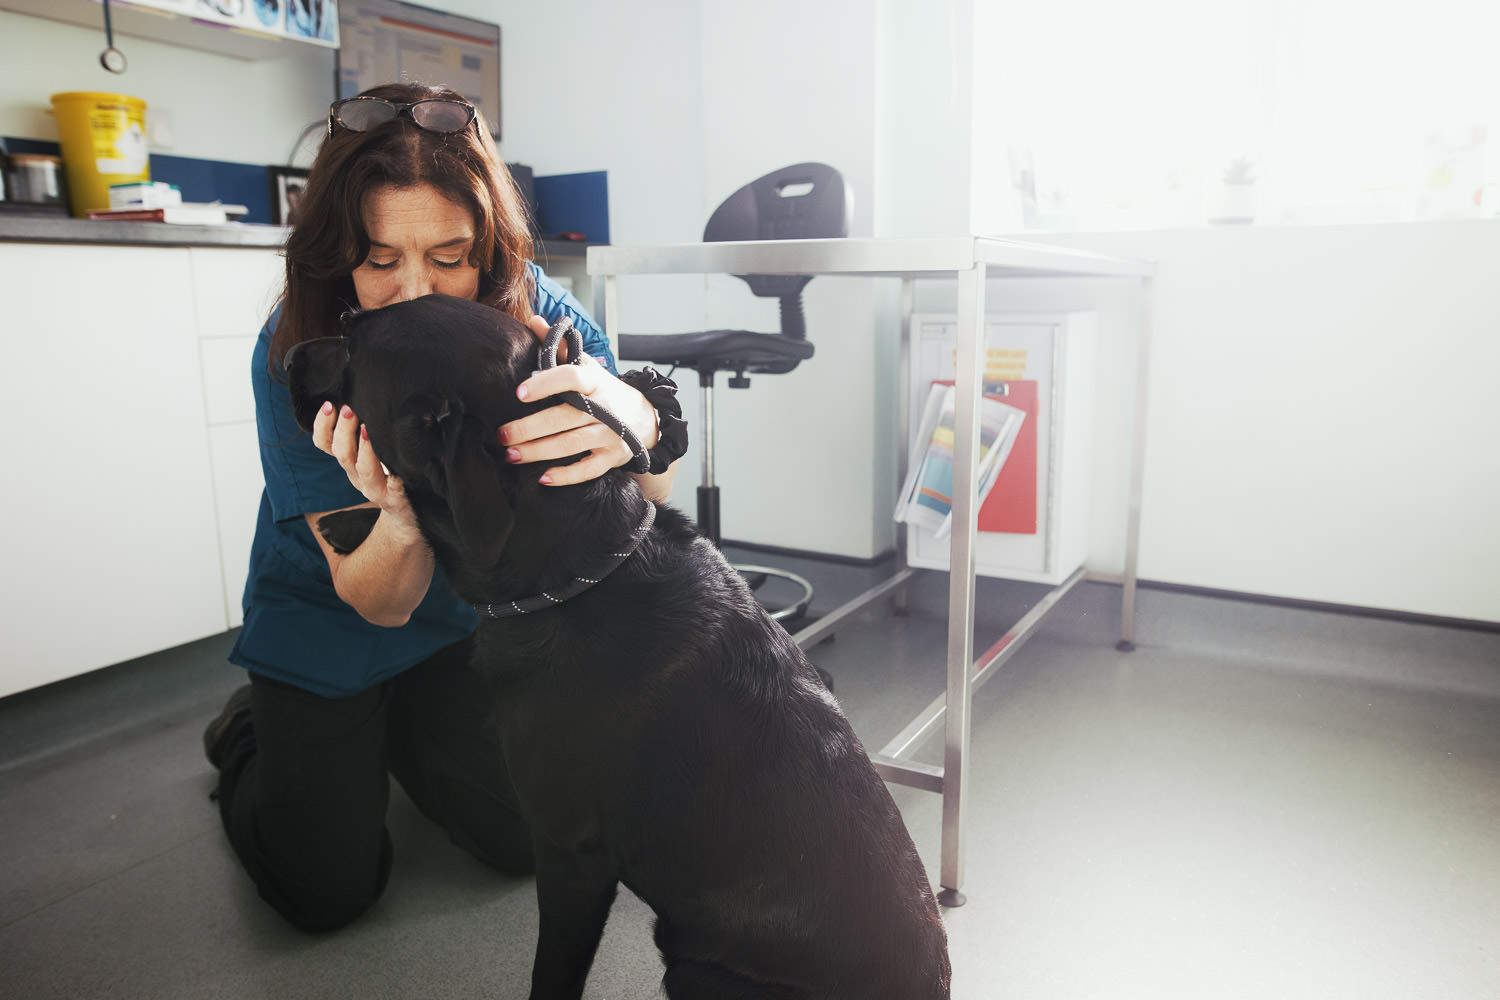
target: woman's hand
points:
(385, 577)
(343, 436)
(562, 431)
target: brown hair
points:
(329, 239)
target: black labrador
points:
(662, 731)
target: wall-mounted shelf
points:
(193, 24)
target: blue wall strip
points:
(565, 203)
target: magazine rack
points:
(1035, 525)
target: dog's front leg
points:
(574, 892)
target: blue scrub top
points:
(296, 628)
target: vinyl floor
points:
(1259, 802)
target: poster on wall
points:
(270, 15)
(386, 40)
(315, 21)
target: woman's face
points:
(419, 244)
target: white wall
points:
(1320, 423)
(683, 101)
(593, 85)
(786, 81)
(923, 107)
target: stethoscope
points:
(111, 58)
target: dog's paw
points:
(344, 530)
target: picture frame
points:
(286, 190)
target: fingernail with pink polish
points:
(546, 480)
(512, 455)
(327, 407)
(345, 413)
(522, 391)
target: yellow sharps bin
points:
(103, 142)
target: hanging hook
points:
(111, 58)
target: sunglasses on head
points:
(437, 114)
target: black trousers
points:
(303, 785)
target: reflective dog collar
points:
(578, 584)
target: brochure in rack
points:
(926, 498)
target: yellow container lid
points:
(90, 95)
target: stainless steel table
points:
(972, 261)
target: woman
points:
(359, 662)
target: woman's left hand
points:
(562, 431)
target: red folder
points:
(1011, 504)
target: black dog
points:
(662, 731)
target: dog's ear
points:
(477, 493)
(424, 425)
(315, 372)
(450, 451)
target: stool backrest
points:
(805, 201)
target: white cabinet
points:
(233, 291)
(130, 491)
(238, 484)
(110, 541)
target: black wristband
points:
(672, 433)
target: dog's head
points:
(431, 380)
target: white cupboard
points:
(133, 476)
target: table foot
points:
(951, 898)
(1125, 646)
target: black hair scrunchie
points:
(672, 432)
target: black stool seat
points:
(716, 350)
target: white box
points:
(1060, 353)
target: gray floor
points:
(1258, 802)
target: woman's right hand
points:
(344, 437)
(385, 577)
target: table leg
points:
(968, 381)
(903, 428)
(1137, 468)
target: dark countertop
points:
(65, 229)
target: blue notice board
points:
(573, 203)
